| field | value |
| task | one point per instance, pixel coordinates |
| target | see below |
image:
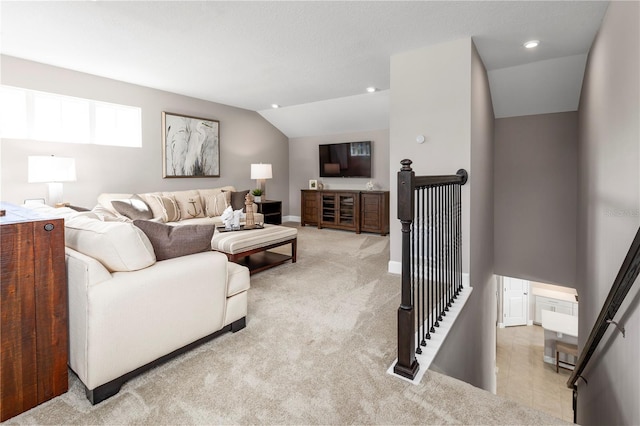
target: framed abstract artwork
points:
(190, 146)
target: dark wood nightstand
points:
(272, 211)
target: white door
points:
(516, 301)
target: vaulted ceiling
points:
(313, 58)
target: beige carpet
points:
(320, 335)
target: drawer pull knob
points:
(49, 227)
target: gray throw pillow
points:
(175, 241)
(237, 200)
(133, 208)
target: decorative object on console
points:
(231, 218)
(190, 146)
(53, 171)
(313, 184)
(261, 172)
(249, 222)
(257, 195)
(370, 186)
(320, 185)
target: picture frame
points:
(313, 184)
(190, 146)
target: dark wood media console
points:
(350, 210)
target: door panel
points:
(516, 301)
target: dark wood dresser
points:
(358, 211)
(33, 310)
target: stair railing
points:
(625, 279)
(430, 211)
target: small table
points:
(272, 211)
(250, 247)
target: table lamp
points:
(260, 172)
(53, 171)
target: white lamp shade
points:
(261, 171)
(51, 169)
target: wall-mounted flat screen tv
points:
(348, 159)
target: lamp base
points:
(262, 185)
(55, 193)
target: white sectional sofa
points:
(129, 311)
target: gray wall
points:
(535, 197)
(430, 96)
(303, 164)
(470, 350)
(608, 218)
(245, 138)
(442, 92)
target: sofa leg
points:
(103, 392)
(238, 325)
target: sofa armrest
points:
(83, 272)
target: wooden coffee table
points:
(251, 247)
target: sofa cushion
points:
(175, 241)
(214, 205)
(163, 207)
(189, 203)
(119, 246)
(133, 208)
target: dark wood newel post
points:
(407, 365)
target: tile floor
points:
(524, 377)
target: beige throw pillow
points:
(189, 204)
(214, 205)
(163, 207)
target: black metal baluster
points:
(431, 260)
(418, 260)
(424, 262)
(451, 248)
(429, 250)
(460, 235)
(415, 269)
(437, 258)
(441, 251)
(449, 243)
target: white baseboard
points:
(500, 325)
(395, 267)
(530, 322)
(291, 219)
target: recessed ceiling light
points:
(275, 106)
(531, 44)
(371, 89)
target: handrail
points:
(460, 177)
(621, 285)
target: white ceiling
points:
(315, 58)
